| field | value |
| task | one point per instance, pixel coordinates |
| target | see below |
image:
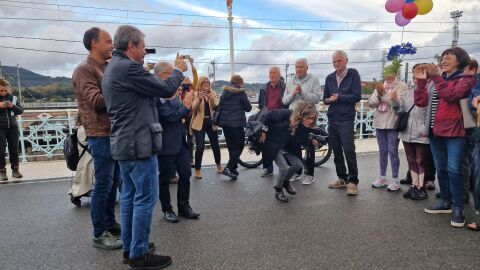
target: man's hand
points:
(333, 98)
(10, 105)
(476, 101)
(180, 64)
(263, 137)
(297, 90)
(149, 66)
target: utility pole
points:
(1, 75)
(19, 88)
(406, 73)
(230, 30)
(286, 72)
(455, 15)
(212, 75)
(384, 59)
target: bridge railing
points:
(43, 132)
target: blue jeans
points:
(448, 157)
(137, 202)
(107, 178)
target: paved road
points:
(242, 226)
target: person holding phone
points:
(9, 108)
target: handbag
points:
(402, 120)
(216, 113)
(468, 120)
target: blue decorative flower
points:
(399, 51)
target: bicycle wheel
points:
(323, 153)
(249, 159)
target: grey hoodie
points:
(311, 91)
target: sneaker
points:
(229, 174)
(381, 182)
(107, 241)
(115, 230)
(3, 176)
(308, 180)
(339, 183)
(419, 194)
(406, 181)
(16, 174)
(352, 189)
(126, 254)
(150, 261)
(439, 208)
(409, 193)
(393, 187)
(235, 172)
(267, 172)
(429, 185)
(296, 177)
(458, 219)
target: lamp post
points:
(230, 30)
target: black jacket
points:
(129, 92)
(233, 105)
(170, 114)
(262, 96)
(7, 115)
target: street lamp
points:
(230, 29)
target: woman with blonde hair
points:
(204, 103)
(284, 133)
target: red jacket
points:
(448, 120)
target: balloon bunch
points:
(406, 10)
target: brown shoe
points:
(352, 189)
(197, 174)
(174, 180)
(339, 183)
(219, 168)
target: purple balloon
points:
(400, 20)
(394, 6)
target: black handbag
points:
(402, 120)
(216, 113)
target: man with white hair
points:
(303, 87)
(342, 91)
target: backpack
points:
(70, 150)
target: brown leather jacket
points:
(87, 84)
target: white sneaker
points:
(308, 179)
(393, 186)
(296, 177)
(380, 183)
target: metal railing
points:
(43, 132)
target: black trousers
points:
(186, 126)
(200, 143)
(167, 164)
(10, 136)
(310, 160)
(235, 139)
(342, 140)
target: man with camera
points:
(87, 79)
(342, 91)
(129, 92)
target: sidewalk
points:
(58, 169)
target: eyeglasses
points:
(310, 118)
(205, 82)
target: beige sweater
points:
(387, 119)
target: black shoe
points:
(170, 217)
(438, 195)
(188, 212)
(235, 172)
(229, 173)
(280, 196)
(3, 176)
(430, 185)
(289, 188)
(419, 194)
(406, 181)
(409, 192)
(267, 172)
(126, 254)
(76, 200)
(150, 261)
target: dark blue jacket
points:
(262, 96)
(349, 93)
(7, 115)
(170, 114)
(233, 105)
(129, 92)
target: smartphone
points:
(184, 56)
(151, 51)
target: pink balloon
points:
(400, 20)
(394, 6)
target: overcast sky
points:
(281, 28)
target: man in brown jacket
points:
(87, 82)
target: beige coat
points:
(83, 180)
(387, 119)
(198, 110)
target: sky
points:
(45, 36)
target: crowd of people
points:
(146, 130)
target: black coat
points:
(233, 105)
(7, 115)
(129, 92)
(170, 114)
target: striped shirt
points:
(434, 108)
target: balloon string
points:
(403, 29)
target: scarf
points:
(383, 107)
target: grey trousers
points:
(288, 165)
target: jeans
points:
(448, 157)
(388, 147)
(137, 202)
(235, 139)
(168, 164)
(288, 165)
(200, 143)
(342, 140)
(10, 136)
(107, 179)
